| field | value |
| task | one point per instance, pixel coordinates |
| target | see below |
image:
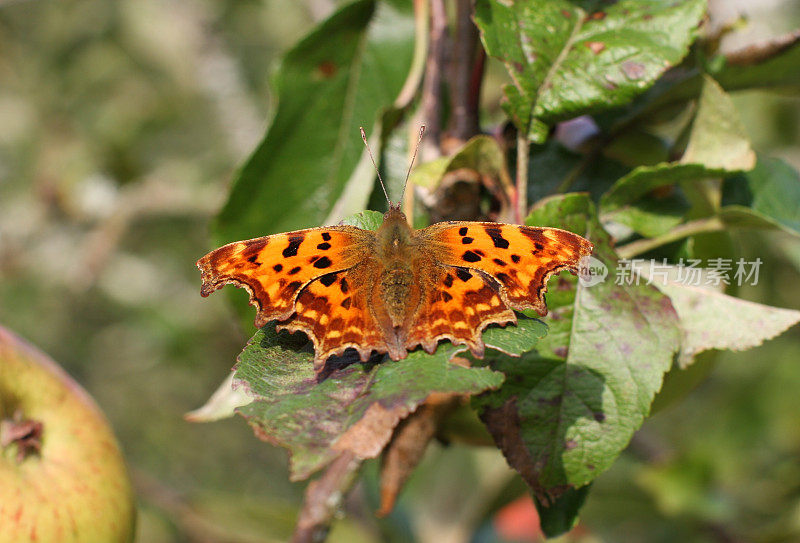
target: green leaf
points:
(646, 179)
(339, 77)
(713, 320)
(515, 340)
(566, 59)
(718, 140)
(653, 216)
(368, 220)
(355, 408)
(566, 412)
(766, 197)
(717, 146)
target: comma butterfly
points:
(395, 288)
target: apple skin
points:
(76, 488)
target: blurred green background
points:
(121, 124)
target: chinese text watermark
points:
(715, 272)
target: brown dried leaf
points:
(368, 437)
(408, 446)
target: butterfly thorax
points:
(393, 235)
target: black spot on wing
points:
(294, 270)
(326, 236)
(446, 295)
(496, 234)
(343, 286)
(323, 262)
(324, 246)
(253, 259)
(499, 262)
(466, 240)
(463, 274)
(515, 259)
(471, 256)
(462, 231)
(328, 279)
(448, 281)
(346, 303)
(294, 244)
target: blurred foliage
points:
(121, 125)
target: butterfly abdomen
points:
(396, 291)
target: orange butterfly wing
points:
(334, 312)
(519, 258)
(459, 304)
(274, 269)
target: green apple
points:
(62, 476)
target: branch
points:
(465, 85)
(324, 497)
(431, 101)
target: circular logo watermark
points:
(591, 271)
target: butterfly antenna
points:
(372, 158)
(413, 157)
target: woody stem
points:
(431, 99)
(466, 67)
(523, 151)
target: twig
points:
(700, 226)
(323, 499)
(430, 103)
(464, 88)
(523, 152)
(431, 100)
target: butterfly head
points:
(394, 232)
(394, 214)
